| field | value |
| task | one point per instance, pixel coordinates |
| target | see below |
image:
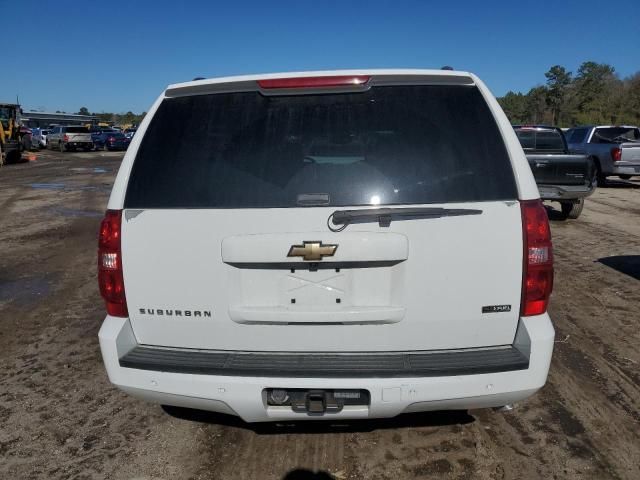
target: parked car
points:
(320, 246)
(130, 132)
(111, 140)
(44, 133)
(99, 136)
(560, 176)
(614, 149)
(70, 137)
(39, 137)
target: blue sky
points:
(118, 56)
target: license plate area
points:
(300, 288)
(316, 402)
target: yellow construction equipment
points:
(10, 145)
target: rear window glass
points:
(615, 135)
(389, 146)
(76, 130)
(546, 140)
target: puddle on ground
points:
(87, 169)
(69, 188)
(24, 290)
(73, 212)
(48, 186)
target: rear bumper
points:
(565, 192)
(625, 168)
(242, 395)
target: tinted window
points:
(577, 135)
(615, 135)
(549, 140)
(76, 130)
(527, 139)
(389, 145)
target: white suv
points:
(347, 244)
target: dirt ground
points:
(60, 417)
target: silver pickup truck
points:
(561, 176)
(615, 150)
(70, 137)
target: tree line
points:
(595, 94)
(128, 118)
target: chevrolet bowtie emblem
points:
(312, 250)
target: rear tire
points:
(625, 177)
(602, 178)
(572, 210)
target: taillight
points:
(314, 82)
(110, 276)
(537, 277)
(616, 154)
(65, 138)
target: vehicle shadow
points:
(22, 159)
(304, 474)
(627, 264)
(619, 183)
(407, 420)
(554, 215)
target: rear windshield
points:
(615, 135)
(389, 146)
(545, 140)
(76, 130)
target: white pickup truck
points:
(326, 245)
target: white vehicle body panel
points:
(79, 137)
(444, 257)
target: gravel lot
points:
(60, 417)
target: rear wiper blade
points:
(384, 216)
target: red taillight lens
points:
(537, 281)
(314, 82)
(110, 277)
(65, 138)
(616, 154)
